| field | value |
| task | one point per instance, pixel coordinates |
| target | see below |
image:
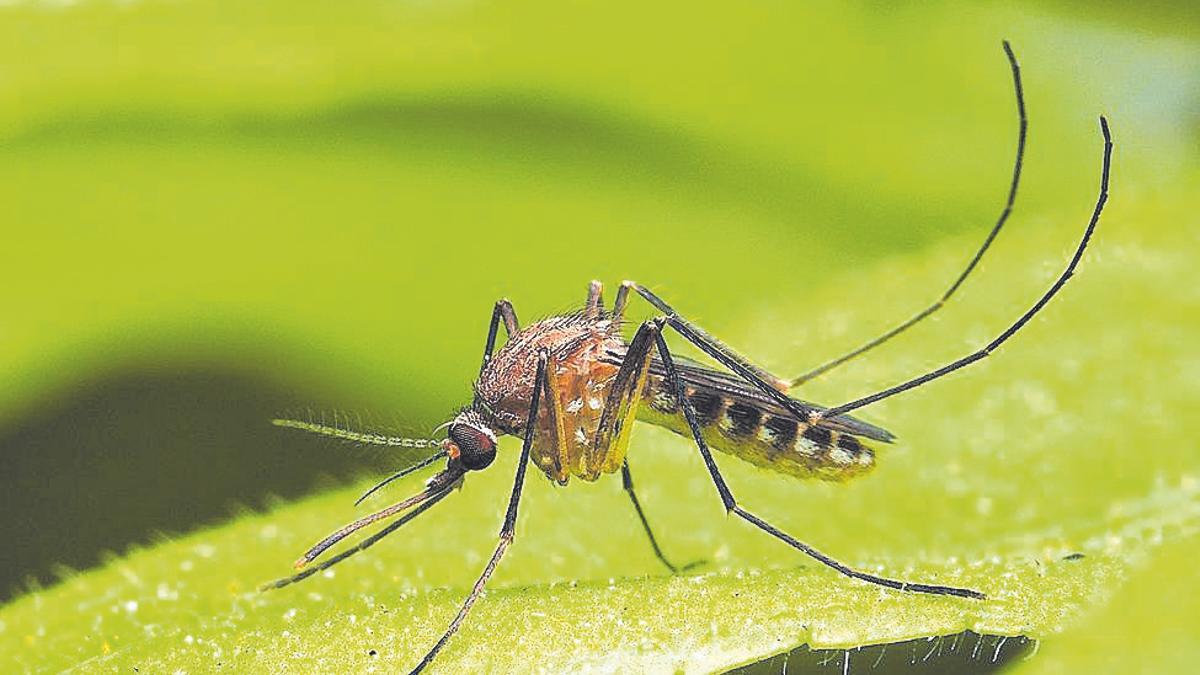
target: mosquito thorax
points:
(470, 442)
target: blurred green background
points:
(214, 214)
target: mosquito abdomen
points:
(764, 437)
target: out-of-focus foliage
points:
(1157, 607)
(996, 492)
(333, 199)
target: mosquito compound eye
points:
(476, 447)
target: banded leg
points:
(987, 242)
(508, 530)
(732, 506)
(503, 311)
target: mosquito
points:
(571, 387)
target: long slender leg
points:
(616, 420)
(510, 518)
(1101, 199)
(627, 483)
(712, 345)
(723, 355)
(987, 242)
(731, 504)
(503, 311)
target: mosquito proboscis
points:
(571, 387)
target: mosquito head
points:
(471, 442)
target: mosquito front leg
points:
(503, 311)
(732, 506)
(508, 530)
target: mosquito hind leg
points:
(508, 530)
(1022, 126)
(502, 312)
(627, 484)
(732, 506)
(989, 348)
(763, 380)
(761, 375)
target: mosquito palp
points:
(400, 474)
(571, 386)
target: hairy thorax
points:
(577, 345)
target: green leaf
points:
(341, 213)
(1163, 596)
(1004, 473)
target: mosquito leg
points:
(711, 345)
(761, 379)
(627, 483)
(594, 306)
(611, 439)
(987, 242)
(503, 311)
(732, 506)
(510, 518)
(555, 422)
(1101, 199)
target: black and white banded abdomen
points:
(758, 432)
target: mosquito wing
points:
(738, 419)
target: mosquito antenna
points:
(401, 474)
(366, 437)
(350, 528)
(357, 548)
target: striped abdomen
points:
(759, 431)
